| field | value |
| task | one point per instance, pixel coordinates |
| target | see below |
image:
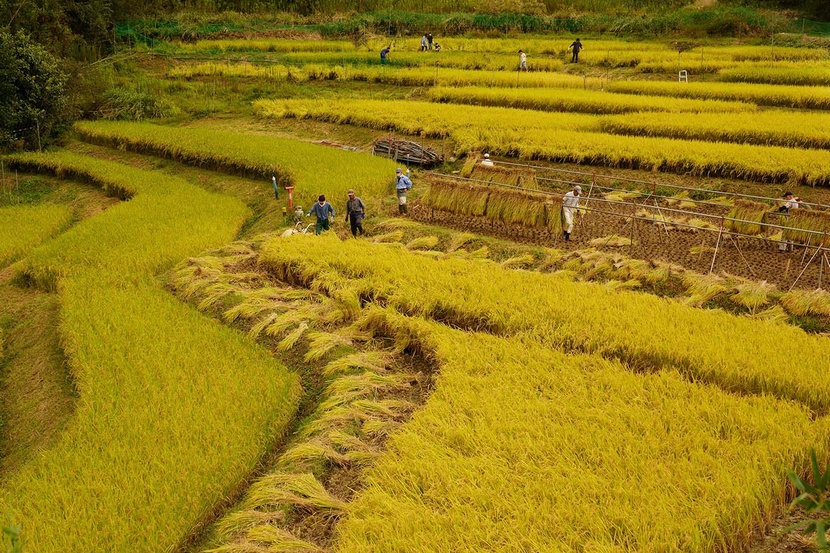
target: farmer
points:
(487, 161)
(790, 203)
(322, 209)
(402, 184)
(384, 54)
(437, 47)
(355, 212)
(575, 47)
(522, 61)
(276, 189)
(570, 203)
(424, 43)
(429, 40)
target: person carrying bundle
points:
(323, 210)
(355, 213)
(570, 203)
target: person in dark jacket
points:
(576, 48)
(323, 210)
(384, 54)
(355, 212)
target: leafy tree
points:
(32, 92)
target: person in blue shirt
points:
(384, 54)
(322, 209)
(402, 184)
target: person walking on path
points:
(522, 61)
(429, 40)
(570, 203)
(323, 210)
(384, 54)
(424, 43)
(402, 185)
(790, 203)
(355, 213)
(487, 162)
(575, 47)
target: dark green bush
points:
(32, 93)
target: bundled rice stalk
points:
(702, 288)
(422, 243)
(801, 225)
(523, 178)
(513, 206)
(519, 262)
(807, 302)
(746, 217)
(472, 162)
(752, 295)
(612, 240)
(459, 197)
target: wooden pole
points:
(717, 247)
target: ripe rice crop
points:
(766, 128)
(763, 95)
(523, 448)
(562, 137)
(296, 163)
(24, 227)
(735, 353)
(524, 178)
(582, 101)
(458, 60)
(796, 75)
(411, 76)
(695, 66)
(767, 53)
(174, 411)
(268, 45)
(534, 45)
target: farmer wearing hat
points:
(322, 209)
(487, 161)
(402, 184)
(355, 212)
(570, 203)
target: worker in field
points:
(576, 48)
(522, 61)
(487, 162)
(429, 40)
(323, 210)
(437, 47)
(424, 43)
(790, 203)
(355, 213)
(402, 185)
(384, 54)
(570, 203)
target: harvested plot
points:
(581, 101)
(174, 410)
(766, 128)
(522, 448)
(565, 138)
(310, 168)
(763, 95)
(25, 227)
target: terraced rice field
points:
(436, 385)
